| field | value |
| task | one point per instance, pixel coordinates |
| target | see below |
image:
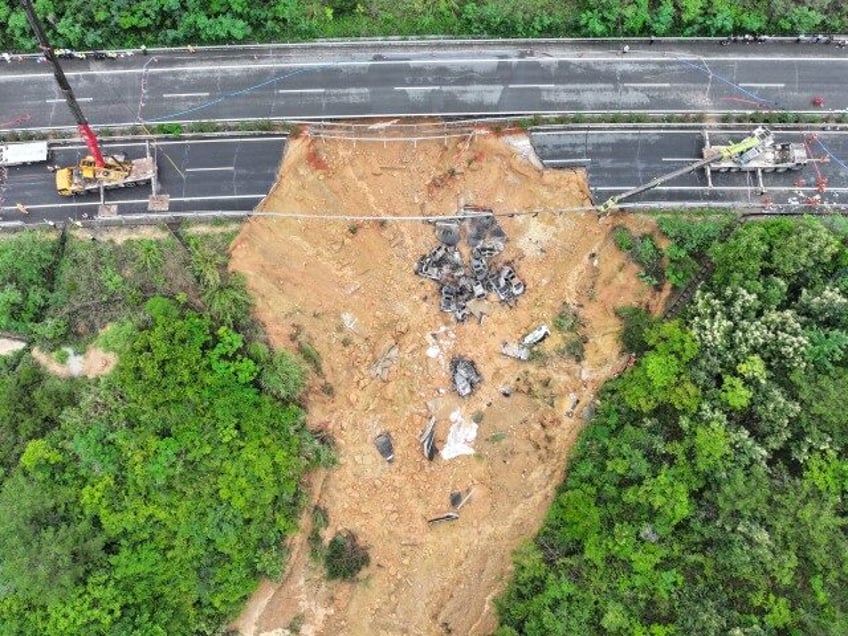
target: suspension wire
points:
(428, 218)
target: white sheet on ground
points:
(462, 432)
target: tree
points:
(153, 505)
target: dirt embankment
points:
(350, 289)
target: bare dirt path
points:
(350, 289)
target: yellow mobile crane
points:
(94, 172)
(740, 153)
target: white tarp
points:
(462, 432)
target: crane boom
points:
(741, 151)
(92, 173)
(67, 92)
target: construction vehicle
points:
(116, 172)
(94, 172)
(756, 152)
(20, 154)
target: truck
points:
(117, 172)
(19, 154)
(771, 157)
(755, 153)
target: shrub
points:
(623, 238)
(567, 319)
(636, 322)
(345, 556)
(573, 348)
(311, 355)
(282, 376)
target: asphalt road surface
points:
(618, 159)
(198, 174)
(324, 81)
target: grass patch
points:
(320, 521)
(574, 348)
(567, 320)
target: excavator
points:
(732, 157)
(94, 172)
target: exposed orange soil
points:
(350, 289)
(92, 363)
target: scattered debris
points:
(428, 440)
(458, 500)
(380, 369)
(513, 350)
(522, 350)
(536, 336)
(448, 232)
(460, 436)
(465, 376)
(573, 401)
(384, 445)
(349, 321)
(461, 282)
(448, 516)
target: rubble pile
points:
(462, 280)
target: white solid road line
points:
(222, 168)
(433, 63)
(745, 188)
(646, 85)
(580, 161)
(750, 85)
(531, 85)
(62, 100)
(185, 94)
(613, 131)
(285, 91)
(174, 142)
(39, 206)
(417, 88)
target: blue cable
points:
(830, 154)
(704, 69)
(231, 94)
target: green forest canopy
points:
(87, 25)
(708, 494)
(153, 504)
(151, 500)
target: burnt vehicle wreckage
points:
(467, 265)
(462, 278)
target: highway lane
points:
(618, 159)
(197, 174)
(431, 79)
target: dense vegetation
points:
(86, 25)
(707, 495)
(150, 500)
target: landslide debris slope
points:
(383, 348)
